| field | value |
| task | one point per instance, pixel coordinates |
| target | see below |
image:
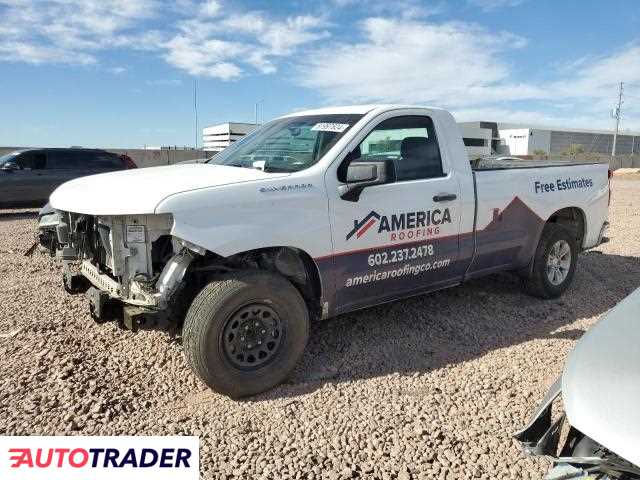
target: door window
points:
(33, 160)
(410, 142)
(65, 160)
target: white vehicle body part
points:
(140, 192)
(398, 239)
(599, 386)
(601, 381)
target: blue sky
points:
(121, 72)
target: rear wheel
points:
(245, 332)
(554, 263)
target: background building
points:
(480, 138)
(217, 137)
(554, 141)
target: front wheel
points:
(554, 263)
(245, 332)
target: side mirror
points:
(10, 166)
(360, 175)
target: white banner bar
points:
(99, 458)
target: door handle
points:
(445, 197)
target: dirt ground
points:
(430, 387)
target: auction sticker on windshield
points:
(99, 458)
(330, 127)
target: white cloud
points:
(205, 48)
(164, 82)
(210, 8)
(18, 51)
(399, 55)
(535, 117)
(203, 40)
(66, 31)
(462, 67)
(278, 37)
(488, 5)
(404, 61)
(206, 58)
(594, 76)
(407, 9)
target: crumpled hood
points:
(138, 191)
(601, 381)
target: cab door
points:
(399, 238)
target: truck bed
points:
(509, 163)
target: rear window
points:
(104, 160)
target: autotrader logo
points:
(361, 227)
(70, 458)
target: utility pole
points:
(616, 113)
(195, 108)
(256, 110)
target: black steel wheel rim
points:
(252, 336)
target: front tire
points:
(245, 332)
(554, 263)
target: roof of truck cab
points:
(355, 109)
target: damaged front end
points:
(131, 259)
(574, 455)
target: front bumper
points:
(541, 435)
(143, 294)
(101, 281)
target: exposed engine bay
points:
(135, 260)
(129, 258)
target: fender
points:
(227, 220)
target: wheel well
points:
(293, 263)
(571, 218)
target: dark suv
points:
(27, 177)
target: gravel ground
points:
(430, 387)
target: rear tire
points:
(554, 263)
(245, 332)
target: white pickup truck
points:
(315, 214)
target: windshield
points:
(288, 144)
(9, 156)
